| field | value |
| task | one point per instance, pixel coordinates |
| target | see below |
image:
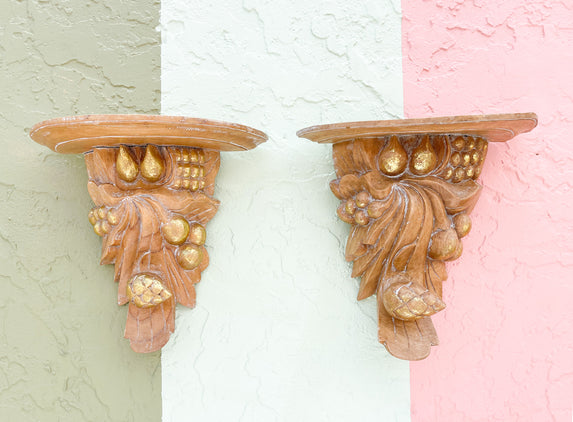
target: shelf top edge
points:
(80, 134)
(494, 127)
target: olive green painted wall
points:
(62, 352)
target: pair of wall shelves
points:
(406, 187)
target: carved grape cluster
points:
(102, 218)
(190, 170)
(360, 209)
(189, 238)
(466, 159)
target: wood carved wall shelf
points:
(407, 188)
(152, 180)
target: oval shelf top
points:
(79, 134)
(493, 127)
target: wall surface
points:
(62, 355)
(277, 334)
(506, 351)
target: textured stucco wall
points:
(62, 355)
(277, 334)
(506, 350)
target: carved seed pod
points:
(393, 158)
(146, 291)
(125, 165)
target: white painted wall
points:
(277, 334)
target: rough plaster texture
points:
(277, 334)
(62, 355)
(506, 350)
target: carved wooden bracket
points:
(152, 179)
(407, 188)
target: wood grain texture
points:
(408, 198)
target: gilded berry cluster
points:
(466, 159)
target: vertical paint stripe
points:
(277, 334)
(62, 351)
(506, 346)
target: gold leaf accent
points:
(176, 230)
(393, 158)
(197, 234)
(92, 216)
(444, 244)
(113, 216)
(424, 158)
(152, 166)
(125, 165)
(409, 302)
(190, 256)
(146, 291)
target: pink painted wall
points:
(506, 350)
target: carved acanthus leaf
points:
(407, 208)
(154, 237)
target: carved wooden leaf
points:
(401, 194)
(152, 204)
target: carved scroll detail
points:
(407, 198)
(152, 205)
